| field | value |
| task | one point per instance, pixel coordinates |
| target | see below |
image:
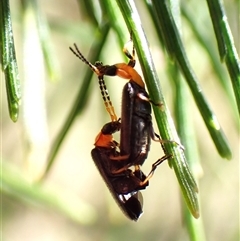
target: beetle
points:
(124, 186)
(136, 121)
(114, 161)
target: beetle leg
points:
(119, 158)
(154, 166)
(155, 137)
(132, 60)
(143, 97)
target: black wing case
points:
(129, 202)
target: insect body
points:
(124, 186)
(136, 121)
(119, 164)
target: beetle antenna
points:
(102, 85)
(106, 98)
(78, 54)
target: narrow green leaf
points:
(185, 127)
(14, 184)
(52, 64)
(163, 118)
(89, 10)
(112, 14)
(176, 50)
(81, 98)
(205, 41)
(9, 61)
(227, 50)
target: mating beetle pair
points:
(114, 161)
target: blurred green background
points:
(73, 202)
